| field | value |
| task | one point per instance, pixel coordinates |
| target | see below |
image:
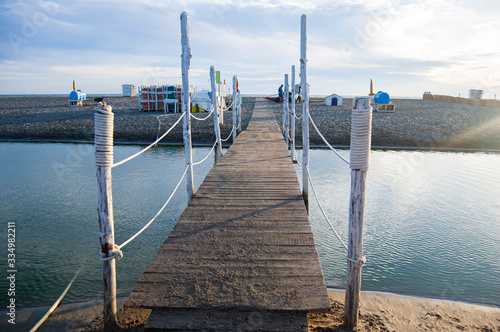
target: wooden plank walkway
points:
(243, 243)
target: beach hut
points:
(77, 98)
(334, 100)
(382, 103)
(201, 101)
(128, 90)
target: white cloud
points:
(412, 45)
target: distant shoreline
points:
(416, 124)
(298, 145)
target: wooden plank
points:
(249, 296)
(244, 241)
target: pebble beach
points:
(415, 124)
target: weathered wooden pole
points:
(361, 120)
(305, 110)
(185, 103)
(287, 112)
(234, 107)
(103, 139)
(292, 116)
(239, 109)
(216, 109)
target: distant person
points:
(280, 92)
(299, 94)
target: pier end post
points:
(361, 121)
(103, 141)
(185, 103)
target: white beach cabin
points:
(201, 101)
(334, 100)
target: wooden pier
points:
(242, 255)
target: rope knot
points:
(358, 262)
(116, 253)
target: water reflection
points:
(432, 218)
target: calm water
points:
(432, 219)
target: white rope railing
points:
(58, 301)
(326, 142)
(203, 119)
(225, 140)
(201, 161)
(230, 105)
(323, 211)
(149, 146)
(157, 214)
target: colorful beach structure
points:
(383, 103)
(164, 98)
(77, 97)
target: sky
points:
(406, 47)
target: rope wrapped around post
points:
(103, 140)
(361, 132)
(103, 135)
(361, 122)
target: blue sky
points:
(406, 47)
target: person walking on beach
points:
(280, 92)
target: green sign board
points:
(217, 77)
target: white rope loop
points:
(154, 218)
(116, 253)
(324, 139)
(361, 123)
(103, 135)
(225, 140)
(229, 107)
(206, 117)
(358, 262)
(323, 211)
(150, 145)
(208, 155)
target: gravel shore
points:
(50, 119)
(416, 123)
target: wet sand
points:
(378, 312)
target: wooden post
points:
(292, 116)
(283, 115)
(104, 160)
(234, 108)
(216, 109)
(185, 102)
(305, 110)
(287, 112)
(359, 163)
(239, 110)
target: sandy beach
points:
(378, 312)
(416, 123)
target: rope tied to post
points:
(361, 120)
(358, 262)
(103, 135)
(116, 253)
